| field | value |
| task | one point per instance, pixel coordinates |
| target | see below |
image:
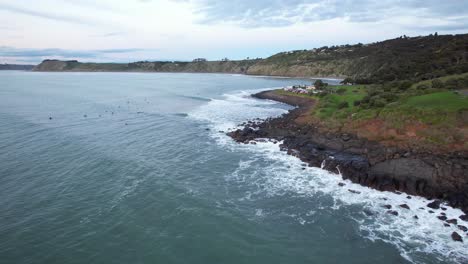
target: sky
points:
(134, 30)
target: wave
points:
(417, 238)
(198, 98)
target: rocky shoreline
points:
(369, 163)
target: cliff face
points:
(403, 58)
(209, 66)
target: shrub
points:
(437, 84)
(423, 87)
(343, 105)
(357, 102)
(452, 84)
(404, 85)
(377, 101)
(341, 91)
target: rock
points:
(456, 237)
(431, 212)
(446, 225)
(345, 137)
(443, 208)
(368, 212)
(464, 218)
(207, 129)
(442, 217)
(415, 217)
(50, 118)
(392, 212)
(341, 184)
(434, 205)
(353, 191)
(408, 197)
(443, 213)
(398, 192)
(387, 206)
(452, 221)
(85, 115)
(404, 206)
(463, 228)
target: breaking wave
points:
(417, 233)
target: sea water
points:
(136, 168)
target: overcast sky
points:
(131, 30)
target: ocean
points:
(136, 168)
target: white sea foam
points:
(415, 238)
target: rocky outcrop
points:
(435, 176)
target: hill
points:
(146, 66)
(17, 67)
(403, 58)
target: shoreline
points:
(236, 73)
(440, 177)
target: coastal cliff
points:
(237, 67)
(403, 58)
(441, 176)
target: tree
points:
(320, 84)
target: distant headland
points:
(402, 58)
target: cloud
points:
(109, 34)
(279, 13)
(46, 15)
(37, 54)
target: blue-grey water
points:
(135, 168)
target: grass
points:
(443, 101)
(328, 106)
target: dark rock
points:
(442, 217)
(404, 206)
(398, 193)
(353, 191)
(85, 115)
(431, 212)
(452, 221)
(387, 206)
(392, 212)
(456, 237)
(443, 213)
(434, 205)
(341, 184)
(368, 212)
(463, 228)
(50, 118)
(409, 169)
(446, 225)
(443, 208)
(408, 197)
(207, 129)
(464, 217)
(415, 217)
